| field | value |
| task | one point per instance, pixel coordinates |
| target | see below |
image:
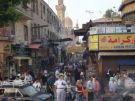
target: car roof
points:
(13, 84)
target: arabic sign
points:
(93, 46)
(93, 38)
(117, 42)
(93, 42)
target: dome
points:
(68, 22)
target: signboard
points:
(93, 38)
(117, 42)
(75, 49)
(2, 38)
(93, 42)
(93, 46)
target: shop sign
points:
(117, 42)
(93, 46)
(3, 38)
(93, 42)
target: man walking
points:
(60, 86)
(90, 89)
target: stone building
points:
(31, 34)
(127, 9)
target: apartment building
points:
(31, 34)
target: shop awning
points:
(126, 62)
(22, 58)
(61, 40)
(34, 46)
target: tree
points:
(110, 13)
(8, 11)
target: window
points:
(36, 1)
(29, 91)
(25, 33)
(44, 9)
(35, 31)
(41, 10)
(33, 5)
(38, 31)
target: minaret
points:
(77, 25)
(61, 11)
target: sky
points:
(82, 11)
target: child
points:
(68, 92)
(84, 93)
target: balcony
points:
(25, 12)
(19, 50)
(112, 29)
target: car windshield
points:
(29, 91)
(126, 91)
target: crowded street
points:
(67, 50)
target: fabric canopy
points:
(126, 62)
(34, 46)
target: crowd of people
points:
(69, 82)
(120, 80)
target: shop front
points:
(21, 55)
(116, 62)
(4, 53)
(114, 52)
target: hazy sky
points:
(77, 10)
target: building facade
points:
(127, 9)
(111, 46)
(31, 36)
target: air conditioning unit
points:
(25, 43)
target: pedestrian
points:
(17, 80)
(96, 86)
(57, 73)
(28, 77)
(79, 90)
(82, 76)
(84, 93)
(112, 85)
(60, 86)
(50, 82)
(90, 89)
(37, 85)
(44, 77)
(68, 92)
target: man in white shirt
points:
(60, 86)
(17, 81)
(90, 88)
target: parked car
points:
(25, 92)
(125, 95)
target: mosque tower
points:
(61, 11)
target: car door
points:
(20, 97)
